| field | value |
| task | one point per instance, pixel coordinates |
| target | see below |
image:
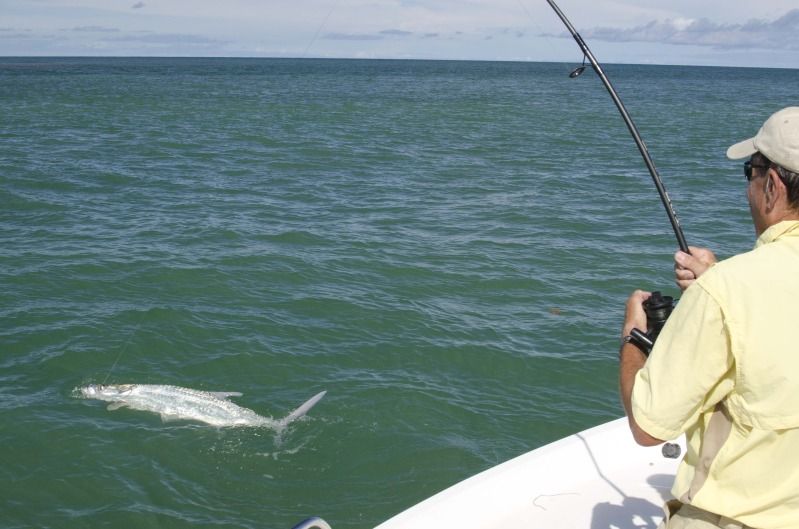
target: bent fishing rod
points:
(664, 197)
(657, 307)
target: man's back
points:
(748, 446)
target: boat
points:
(597, 478)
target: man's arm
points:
(631, 360)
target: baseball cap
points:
(777, 140)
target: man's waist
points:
(687, 516)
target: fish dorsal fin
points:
(303, 409)
(225, 394)
(115, 406)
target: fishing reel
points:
(658, 308)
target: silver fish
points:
(177, 403)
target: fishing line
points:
(547, 42)
(524, 8)
(319, 29)
(125, 345)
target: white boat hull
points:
(598, 478)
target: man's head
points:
(773, 171)
(777, 140)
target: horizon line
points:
(409, 59)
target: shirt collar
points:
(778, 231)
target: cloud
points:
(780, 34)
(138, 5)
(167, 39)
(352, 36)
(381, 35)
(94, 29)
(396, 33)
(7, 34)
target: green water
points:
(443, 246)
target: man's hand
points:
(634, 315)
(688, 267)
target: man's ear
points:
(772, 188)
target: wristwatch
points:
(639, 339)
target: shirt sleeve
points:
(689, 370)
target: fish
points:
(175, 403)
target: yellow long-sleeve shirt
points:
(725, 371)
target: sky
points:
(686, 32)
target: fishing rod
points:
(657, 307)
(664, 197)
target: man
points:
(725, 368)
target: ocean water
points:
(445, 247)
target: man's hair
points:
(791, 181)
(789, 178)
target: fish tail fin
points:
(303, 408)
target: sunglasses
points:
(748, 169)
